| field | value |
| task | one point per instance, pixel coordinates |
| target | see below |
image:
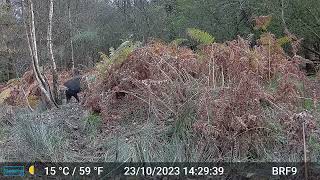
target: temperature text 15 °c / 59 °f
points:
(73, 171)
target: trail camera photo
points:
(147, 89)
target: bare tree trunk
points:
(70, 36)
(5, 36)
(10, 62)
(32, 43)
(51, 56)
(10, 68)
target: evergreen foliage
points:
(85, 36)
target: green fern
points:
(103, 64)
(283, 40)
(103, 56)
(117, 56)
(178, 42)
(200, 36)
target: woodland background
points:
(97, 25)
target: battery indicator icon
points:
(13, 170)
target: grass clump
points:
(92, 124)
(38, 140)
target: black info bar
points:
(168, 170)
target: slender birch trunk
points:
(32, 44)
(10, 64)
(70, 36)
(51, 56)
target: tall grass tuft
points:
(38, 140)
(91, 125)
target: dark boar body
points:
(73, 88)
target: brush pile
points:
(238, 98)
(24, 91)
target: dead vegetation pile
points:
(24, 91)
(241, 100)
